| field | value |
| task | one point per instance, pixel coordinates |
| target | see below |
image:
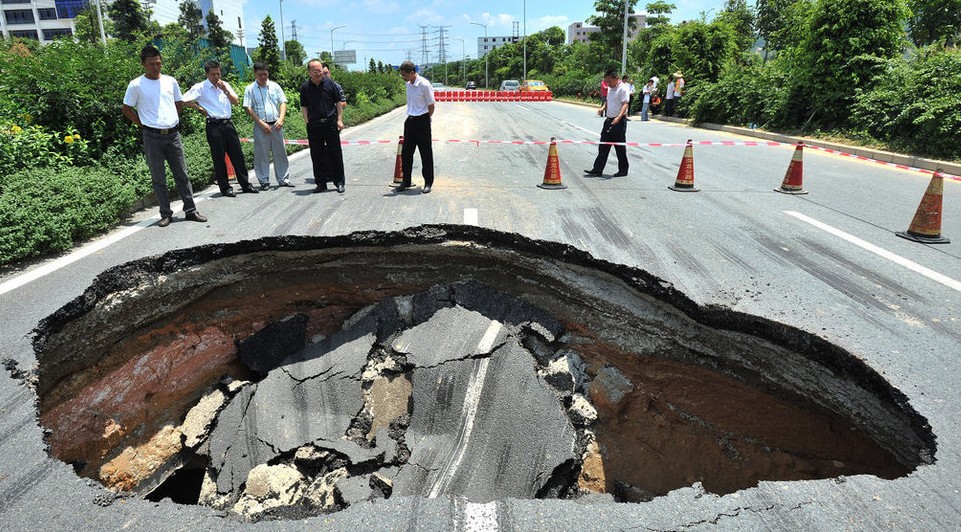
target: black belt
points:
(218, 120)
(320, 120)
(161, 131)
(419, 116)
(270, 123)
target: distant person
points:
(604, 88)
(214, 98)
(153, 102)
(647, 92)
(266, 104)
(630, 88)
(669, 98)
(615, 126)
(324, 116)
(678, 87)
(417, 134)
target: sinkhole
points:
(293, 376)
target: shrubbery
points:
(45, 210)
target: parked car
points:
(439, 87)
(533, 85)
(510, 85)
(471, 86)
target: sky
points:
(390, 30)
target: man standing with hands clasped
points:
(615, 126)
(213, 98)
(420, 108)
(266, 104)
(323, 113)
(153, 102)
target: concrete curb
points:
(885, 156)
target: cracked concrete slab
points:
(468, 437)
(436, 342)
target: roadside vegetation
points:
(885, 73)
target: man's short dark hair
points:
(211, 64)
(318, 61)
(260, 65)
(611, 74)
(148, 51)
(407, 66)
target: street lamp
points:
(333, 62)
(283, 40)
(525, 39)
(463, 59)
(624, 41)
(487, 84)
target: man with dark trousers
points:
(420, 108)
(214, 98)
(614, 112)
(153, 102)
(323, 114)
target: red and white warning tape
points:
(749, 143)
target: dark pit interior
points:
(288, 377)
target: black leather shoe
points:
(164, 222)
(264, 186)
(401, 188)
(320, 189)
(249, 190)
(195, 216)
(230, 193)
(591, 173)
(620, 174)
(340, 188)
(426, 189)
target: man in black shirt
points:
(320, 103)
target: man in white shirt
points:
(214, 97)
(266, 104)
(417, 134)
(153, 102)
(615, 126)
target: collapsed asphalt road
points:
(442, 361)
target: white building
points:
(42, 20)
(578, 32)
(486, 44)
(231, 15)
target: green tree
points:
(372, 66)
(934, 20)
(191, 19)
(295, 53)
(268, 52)
(218, 37)
(659, 14)
(844, 43)
(129, 19)
(772, 17)
(610, 19)
(87, 25)
(739, 16)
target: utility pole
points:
(423, 45)
(487, 83)
(103, 34)
(624, 42)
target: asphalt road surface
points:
(828, 262)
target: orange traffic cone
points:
(926, 225)
(231, 173)
(794, 177)
(685, 174)
(398, 165)
(552, 172)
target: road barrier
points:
(926, 225)
(552, 172)
(794, 177)
(493, 96)
(685, 173)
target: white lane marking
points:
(897, 259)
(480, 517)
(468, 410)
(85, 251)
(470, 216)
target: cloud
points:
(381, 7)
